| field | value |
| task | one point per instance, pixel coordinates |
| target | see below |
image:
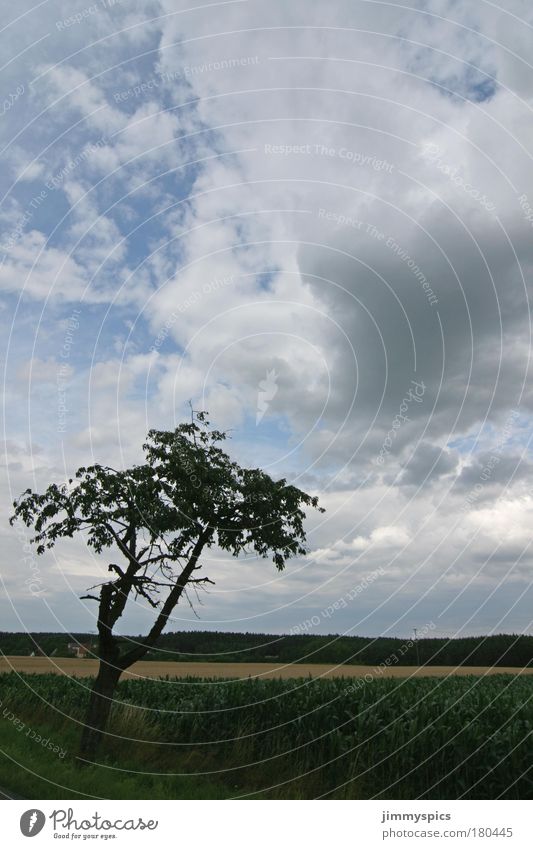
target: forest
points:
(219, 646)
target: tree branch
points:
(172, 599)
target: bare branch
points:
(190, 603)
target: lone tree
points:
(159, 517)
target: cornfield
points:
(422, 738)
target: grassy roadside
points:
(32, 771)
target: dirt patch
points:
(155, 669)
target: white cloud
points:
(270, 205)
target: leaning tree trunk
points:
(99, 709)
(113, 663)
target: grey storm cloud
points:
(495, 468)
(427, 464)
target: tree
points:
(159, 517)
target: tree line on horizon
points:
(222, 646)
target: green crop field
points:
(428, 738)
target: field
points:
(424, 737)
(175, 669)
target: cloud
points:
(39, 271)
(258, 190)
(427, 464)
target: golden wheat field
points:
(155, 669)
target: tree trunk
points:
(99, 710)
(112, 663)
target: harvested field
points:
(148, 669)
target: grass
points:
(29, 771)
(33, 772)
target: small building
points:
(80, 649)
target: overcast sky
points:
(314, 220)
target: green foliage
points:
(430, 738)
(188, 490)
(244, 508)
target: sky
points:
(315, 221)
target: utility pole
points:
(415, 630)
